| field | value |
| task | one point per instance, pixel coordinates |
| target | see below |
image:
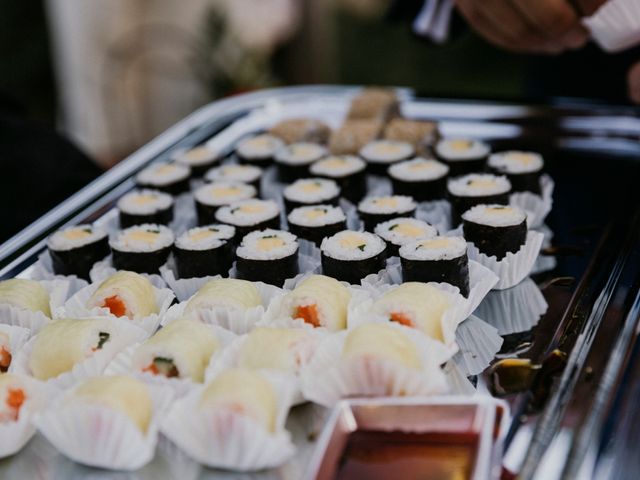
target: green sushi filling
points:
(362, 247)
(103, 337)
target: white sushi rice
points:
(386, 151)
(145, 202)
(418, 170)
(205, 238)
(224, 193)
(196, 157)
(436, 248)
(453, 149)
(301, 153)
(311, 190)
(516, 162)
(352, 245)
(495, 215)
(142, 238)
(401, 231)
(479, 185)
(316, 216)
(75, 237)
(337, 166)
(387, 204)
(248, 212)
(234, 173)
(260, 146)
(252, 246)
(162, 174)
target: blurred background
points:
(89, 81)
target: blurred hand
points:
(634, 83)
(532, 26)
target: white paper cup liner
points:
(436, 213)
(327, 378)
(457, 380)
(514, 267)
(183, 288)
(536, 206)
(616, 25)
(544, 263)
(122, 364)
(99, 436)
(76, 307)
(43, 270)
(93, 366)
(104, 269)
(378, 186)
(478, 344)
(18, 336)
(226, 440)
(514, 310)
(184, 214)
(15, 435)
(234, 320)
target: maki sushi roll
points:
(229, 293)
(348, 171)
(120, 393)
(463, 155)
(198, 159)
(125, 294)
(269, 256)
(14, 395)
(249, 215)
(377, 103)
(295, 130)
(421, 134)
(310, 191)
(523, 169)
(372, 342)
(62, 344)
(375, 210)
(211, 196)
(25, 294)
(380, 154)
(249, 174)
(181, 349)
(350, 256)
(284, 349)
(316, 222)
(403, 230)
(437, 259)
(353, 135)
(320, 301)
(416, 305)
(258, 150)
(244, 393)
(204, 251)
(475, 189)
(145, 206)
(172, 178)
(495, 229)
(420, 178)
(75, 250)
(141, 248)
(294, 160)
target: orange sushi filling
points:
(15, 400)
(5, 359)
(309, 313)
(401, 318)
(162, 366)
(115, 305)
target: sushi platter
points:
(335, 282)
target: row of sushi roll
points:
(188, 357)
(218, 371)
